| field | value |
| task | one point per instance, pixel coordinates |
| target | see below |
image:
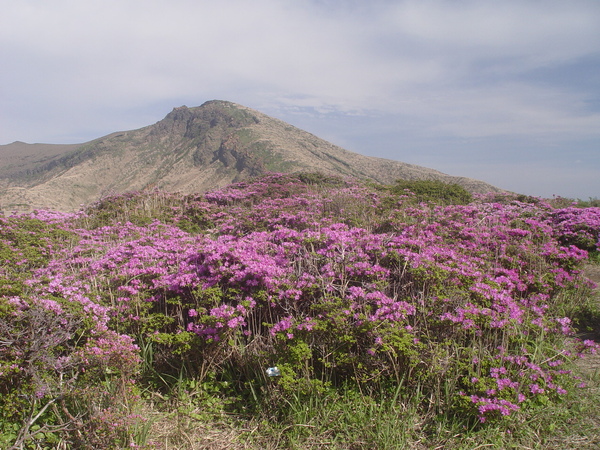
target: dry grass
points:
(182, 431)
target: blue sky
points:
(503, 91)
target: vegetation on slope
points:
(298, 311)
(191, 150)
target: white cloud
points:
(508, 28)
(515, 109)
(350, 58)
(438, 68)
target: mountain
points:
(190, 150)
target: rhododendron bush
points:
(334, 282)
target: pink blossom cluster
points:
(342, 268)
(578, 226)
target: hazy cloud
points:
(466, 76)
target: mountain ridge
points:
(191, 150)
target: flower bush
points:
(63, 373)
(335, 282)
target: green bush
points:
(433, 191)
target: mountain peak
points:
(191, 150)
(219, 103)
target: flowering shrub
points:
(57, 358)
(333, 282)
(577, 226)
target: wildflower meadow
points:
(297, 311)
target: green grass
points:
(196, 416)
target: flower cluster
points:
(331, 280)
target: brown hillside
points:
(190, 150)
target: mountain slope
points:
(190, 150)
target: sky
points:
(507, 91)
